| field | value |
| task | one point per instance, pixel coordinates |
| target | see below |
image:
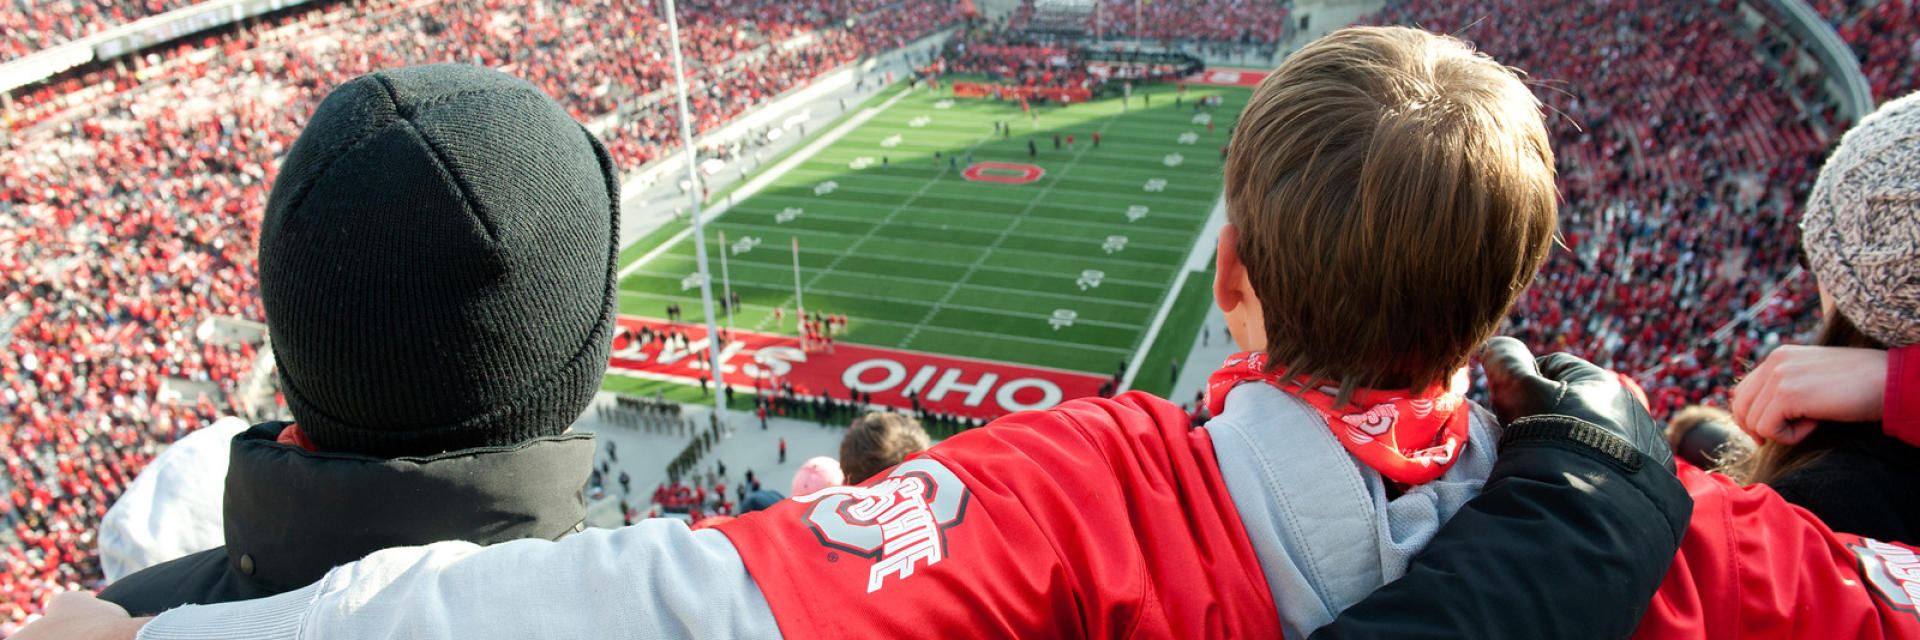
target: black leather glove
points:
(1535, 397)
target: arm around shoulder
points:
(1570, 539)
(655, 579)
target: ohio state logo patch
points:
(898, 521)
(1892, 570)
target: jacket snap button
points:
(246, 564)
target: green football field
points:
(1067, 271)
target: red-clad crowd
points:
(1015, 61)
(1885, 35)
(130, 199)
(27, 26)
(1190, 22)
(1243, 21)
(1682, 164)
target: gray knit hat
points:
(437, 264)
(1862, 225)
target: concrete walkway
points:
(1210, 349)
(644, 454)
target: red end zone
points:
(1228, 77)
(962, 386)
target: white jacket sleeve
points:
(655, 579)
(173, 509)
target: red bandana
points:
(294, 436)
(1409, 439)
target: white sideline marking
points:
(1196, 261)
(765, 177)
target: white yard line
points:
(1115, 226)
(1031, 202)
(967, 332)
(985, 310)
(894, 278)
(1050, 205)
(931, 227)
(768, 176)
(1196, 262)
(1171, 191)
(876, 228)
(1188, 218)
(806, 251)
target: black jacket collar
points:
(292, 514)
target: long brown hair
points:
(1774, 458)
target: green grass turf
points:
(666, 231)
(1177, 335)
(918, 257)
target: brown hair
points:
(878, 441)
(1774, 458)
(1394, 192)
(1719, 441)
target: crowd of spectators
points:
(130, 196)
(1682, 159)
(1212, 25)
(1014, 60)
(1237, 21)
(27, 26)
(1885, 35)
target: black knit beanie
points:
(437, 263)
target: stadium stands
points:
(1682, 163)
(1197, 23)
(1240, 21)
(31, 25)
(1885, 34)
(130, 200)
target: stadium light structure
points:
(714, 370)
(726, 284)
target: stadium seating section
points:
(1681, 168)
(27, 26)
(1885, 34)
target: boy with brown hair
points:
(1110, 518)
(878, 441)
(1390, 192)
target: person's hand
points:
(1563, 385)
(1796, 387)
(77, 615)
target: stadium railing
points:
(1816, 37)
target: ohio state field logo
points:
(1003, 172)
(899, 521)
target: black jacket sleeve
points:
(1570, 538)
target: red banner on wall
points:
(947, 384)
